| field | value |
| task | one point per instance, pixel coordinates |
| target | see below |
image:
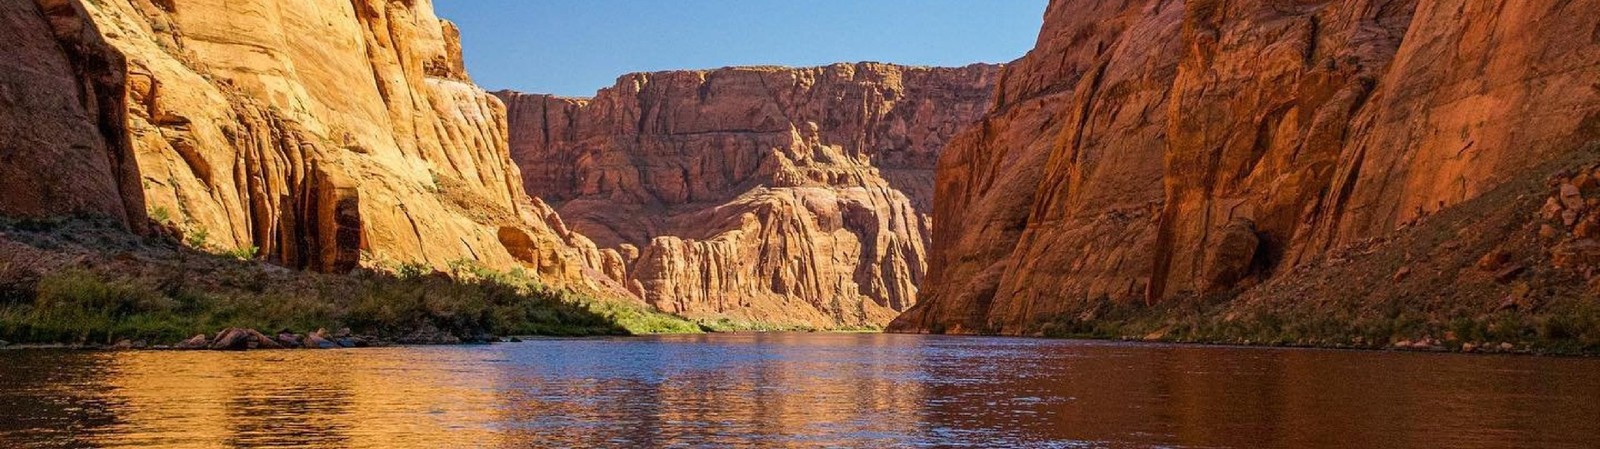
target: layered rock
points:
(1148, 151)
(323, 133)
(758, 194)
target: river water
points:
(796, 390)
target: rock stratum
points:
(321, 134)
(1148, 151)
(778, 196)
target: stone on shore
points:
(237, 339)
(195, 342)
(319, 340)
(289, 339)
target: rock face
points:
(760, 194)
(1150, 150)
(323, 133)
(58, 89)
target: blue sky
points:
(574, 47)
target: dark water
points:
(796, 390)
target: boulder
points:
(1552, 209)
(289, 340)
(1509, 273)
(239, 339)
(318, 340)
(1588, 227)
(1494, 260)
(1548, 232)
(1577, 254)
(196, 342)
(1401, 274)
(1572, 197)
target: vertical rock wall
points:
(62, 152)
(1149, 150)
(763, 194)
(323, 133)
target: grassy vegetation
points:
(81, 306)
(146, 293)
(1569, 326)
(734, 325)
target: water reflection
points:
(795, 390)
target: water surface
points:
(796, 390)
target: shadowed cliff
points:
(1148, 154)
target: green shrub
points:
(244, 253)
(197, 237)
(161, 215)
(80, 306)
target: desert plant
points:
(197, 237)
(244, 253)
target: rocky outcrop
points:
(758, 194)
(1148, 151)
(322, 134)
(59, 93)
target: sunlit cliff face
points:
(785, 196)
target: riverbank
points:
(87, 282)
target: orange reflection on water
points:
(795, 390)
(372, 398)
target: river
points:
(796, 390)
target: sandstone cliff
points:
(59, 91)
(1148, 151)
(321, 133)
(759, 195)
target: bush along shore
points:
(240, 339)
(87, 283)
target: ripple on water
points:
(795, 390)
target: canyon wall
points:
(791, 197)
(1148, 151)
(58, 93)
(322, 134)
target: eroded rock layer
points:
(758, 195)
(1152, 150)
(321, 133)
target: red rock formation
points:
(774, 195)
(1150, 150)
(58, 92)
(325, 133)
